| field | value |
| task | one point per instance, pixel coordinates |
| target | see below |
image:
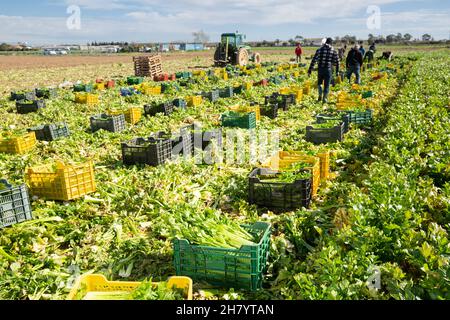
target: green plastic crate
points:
(134, 80)
(360, 117)
(239, 120)
(230, 268)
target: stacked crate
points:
(147, 66)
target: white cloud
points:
(158, 20)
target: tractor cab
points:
(233, 39)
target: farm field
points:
(382, 209)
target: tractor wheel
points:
(217, 56)
(242, 57)
(257, 57)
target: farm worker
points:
(363, 51)
(341, 52)
(325, 58)
(353, 63)
(372, 47)
(299, 52)
(369, 56)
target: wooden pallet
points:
(147, 66)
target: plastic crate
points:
(132, 115)
(15, 204)
(19, 144)
(110, 84)
(241, 268)
(226, 92)
(325, 135)
(367, 94)
(270, 110)
(194, 101)
(183, 144)
(283, 100)
(46, 93)
(278, 195)
(152, 109)
(183, 75)
(60, 181)
(360, 117)
(108, 122)
(134, 80)
(89, 283)
(28, 106)
(99, 86)
(51, 132)
(180, 103)
(324, 117)
(86, 98)
(212, 96)
(83, 88)
(153, 151)
(283, 159)
(31, 95)
(245, 109)
(239, 120)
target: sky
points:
(57, 22)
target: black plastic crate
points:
(238, 89)
(226, 92)
(152, 109)
(269, 110)
(180, 103)
(203, 139)
(15, 204)
(46, 93)
(154, 151)
(50, 132)
(107, 122)
(28, 106)
(325, 135)
(31, 95)
(212, 96)
(283, 100)
(324, 117)
(278, 195)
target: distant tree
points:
(390, 38)
(398, 37)
(291, 42)
(370, 38)
(200, 37)
(265, 43)
(277, 42)
(5, 47)
(426, 37)
(299, 38)
(407, 36)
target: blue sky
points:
(44, 21)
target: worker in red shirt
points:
(298, 53)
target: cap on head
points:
(329, 41)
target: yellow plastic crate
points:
(283, 159)
(149, 90)
(132, 115)
(246, 109)
(324, 157)
(86, 98)
(99, 86)
(19, 144)
(248, 85)
(307, 87)
(225, 76)
(194, 101)
(61, 182)
(91, 283)
(200, 73)
(296, 74)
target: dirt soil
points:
(19, 62)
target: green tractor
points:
(232, 50)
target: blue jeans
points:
(354, 69)
(324, 75)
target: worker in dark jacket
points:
(353, 63)
(325, 58)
